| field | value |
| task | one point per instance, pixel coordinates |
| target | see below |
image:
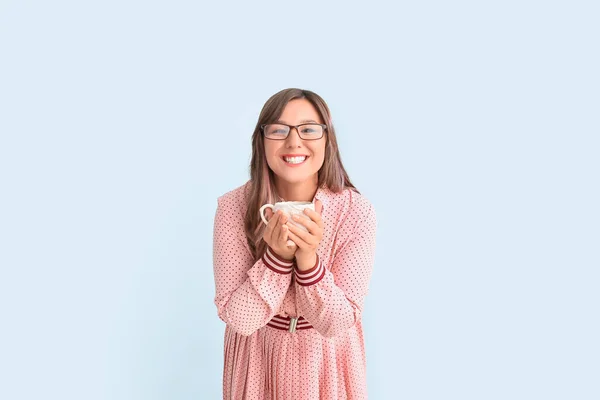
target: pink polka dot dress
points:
(294, 335)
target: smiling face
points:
(296, 112)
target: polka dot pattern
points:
(324, 362)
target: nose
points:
(293, 139)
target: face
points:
(296, 112)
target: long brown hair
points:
(261, 187)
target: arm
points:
(332, 300)
(248, 294)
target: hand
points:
(307, 242)
(276, 235)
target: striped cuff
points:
(311, 276)
(276, 263)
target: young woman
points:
(292, 299)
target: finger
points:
(268, 214)
(314, 216)
(306, 222)
(282, 238)
(270, 226)
(277, 227)
(298, 241)
(319, 207)
(302, 234)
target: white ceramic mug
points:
(289, 208)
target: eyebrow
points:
(302, 122)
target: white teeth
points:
(294, 160)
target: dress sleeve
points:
(247, 294)
(332, 299)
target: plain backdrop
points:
(471, 126)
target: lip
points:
(294, 155)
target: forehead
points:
(299, 110)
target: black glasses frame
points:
(262, 128)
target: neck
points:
(303, 191)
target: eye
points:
(311, 130)
(276, 130)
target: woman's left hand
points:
(307, 242)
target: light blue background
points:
(471, 126)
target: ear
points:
(318, 206)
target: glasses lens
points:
(310, 131)
(276, 131)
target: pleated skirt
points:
(279, 365)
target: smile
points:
(294, 160)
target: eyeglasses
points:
(305, 131)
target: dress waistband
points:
(288, 323)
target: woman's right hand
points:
(276, 235)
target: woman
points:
(292, 299)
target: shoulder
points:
(234, 201)
(353, 215)
(356, 204)
(235, 195)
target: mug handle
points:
(262, 215)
